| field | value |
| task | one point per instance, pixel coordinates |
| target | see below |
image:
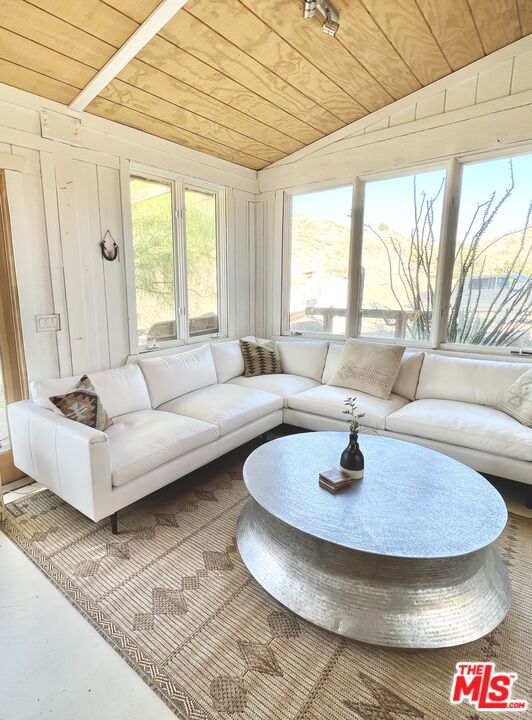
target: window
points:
(400, 249)
(202, 280)
(153, 250)
(491, 295)
(320, 231)
(437, 257)
(176, 233)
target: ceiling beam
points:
(162, 14)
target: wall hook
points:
(109, 251)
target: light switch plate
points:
(47, 323)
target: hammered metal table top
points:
(413, 502)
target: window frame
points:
(454, 167)
(178, 185)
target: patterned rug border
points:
(176, 698)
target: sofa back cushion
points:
(170, 376)
(483, 382)
(407, 379)
(334, 353)
(228, 360)
(121, 390)
(303, 357)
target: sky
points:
(389, 201)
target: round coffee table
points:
(402, 558)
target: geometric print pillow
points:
(517, 400)
(82, 404)
(260, 358)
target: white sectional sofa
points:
(173, 414)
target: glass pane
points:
(491, 298)
(4, 435)
(321, 230)
(153, 247)
(202, 275)
(402, 221)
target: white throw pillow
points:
(517, 401)
(369, 367)
(170, 376)
(303, 357)
(228, 360)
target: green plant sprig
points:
(354, 416)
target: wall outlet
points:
(47, 323)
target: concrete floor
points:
(53, 664)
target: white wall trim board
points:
(489, 61)
(12, 162)
(162, 14)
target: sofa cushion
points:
(334, 354)
(368, 367)
(143, 440)
(483, 382)
(407, 379)
(283, 384)
(121, 390)
(464, 424)
(328, 401)
(228, 360)
(303, 357)
(171, 376)
(228, 406)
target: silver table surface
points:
(402, 558)
(412, 502)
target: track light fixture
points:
(331, 16)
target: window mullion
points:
(442, 296)
(354, 292)
(180, 263)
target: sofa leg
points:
(528, 501)
(114, 523)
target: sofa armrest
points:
(69, 458)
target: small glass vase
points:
(352, 460)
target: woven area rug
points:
(173, 598)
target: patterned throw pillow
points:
(260, 358)
(82, 404)
(517, 400)
(369, 367)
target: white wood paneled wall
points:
(62, 200)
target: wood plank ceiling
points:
(248, 80)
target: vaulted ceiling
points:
(249, 81)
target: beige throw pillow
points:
(260, 358)
(517, 400)
(369, 367)
(82, 404)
